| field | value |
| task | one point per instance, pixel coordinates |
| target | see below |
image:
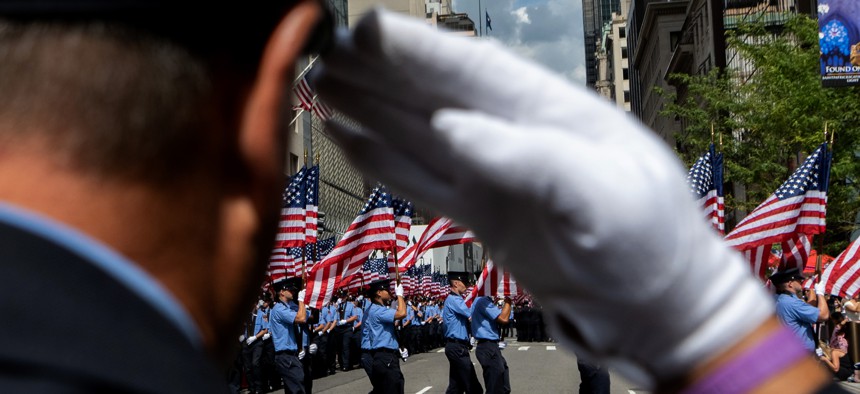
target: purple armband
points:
(745, 372)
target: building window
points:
(622, 32)
(626, 74)
(626, 96)
(624, 53)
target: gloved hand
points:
(250, 339)
(404, 354)
(312, 349)
(301, 354)
(301, 297)
(444, 117)
(266, 336)
(819, 352)
(473, 341)
(503, 344)
(819, 288)
(242, 338)
(341, 322)
(398, 290)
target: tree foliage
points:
(772, 118)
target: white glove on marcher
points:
(341, 322)
(266, 336)
(242, 338)
(398, 290)
(819, 288)
(301, 297)
(565, 190)
(301, 354)
(312, 349)
(404, 354)
(250, 339)
(473, 341)
(503, 345)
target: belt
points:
(488, 340)
(460, 341)
(384, 350)
(290, 352)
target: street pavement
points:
(535, 367)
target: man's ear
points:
(249, 211)
(261, 139)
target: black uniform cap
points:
(291, 284)
(464, 277)
(780, 277)
(371, 288)
(231, 28)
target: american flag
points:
(706, 184)
(439, 232)
(842, 276)
(373, 228)
(795, 251)
(308, 99)
(426, 281)
(371, 271)
(494, 281)
(284, 264)
(403, 212)
(291, 228)
(312, 202)
(798, 206)
(324, 247)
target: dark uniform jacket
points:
(69, 327)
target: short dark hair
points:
(106, 98)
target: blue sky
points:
(546, 31)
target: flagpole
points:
(396, 268)
(480, 21)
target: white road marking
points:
(426, 389)
(441, 350)
(550, 348)
(523, 348)
(631, 391)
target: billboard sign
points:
(839, 40)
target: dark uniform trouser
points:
(385, 373)
(595, 380)
(461, 372)
(343, 335)
(496, 375)
(307, 369)
(291, 370)
(252, 354)
(320, 359)
(367, 362)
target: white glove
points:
(819, 288)
(473, 341)
(301, 297)
(398, 290)
(359, 298)
(250, 339)
(312, 349)
(444, 117)
(266, 336)
(503, 344)
(819, 352)
(301, 354)
(341, 322)
(242, 338)
(409, 303)
(404, 354)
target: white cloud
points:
(546, 31)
